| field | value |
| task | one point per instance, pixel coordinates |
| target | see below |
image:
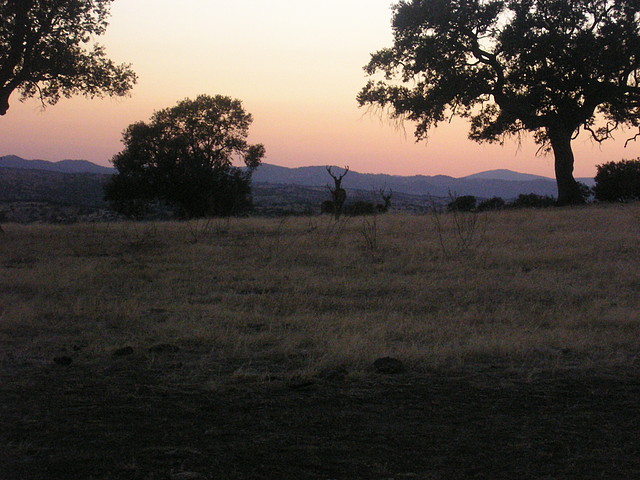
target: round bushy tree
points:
(618, 181)
(186, 157)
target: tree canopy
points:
(45, 51)
(548, 67)
(618, 181)
(185, 157)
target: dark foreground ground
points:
(126, 422)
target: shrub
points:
(532, 200)
(465, 203)
(618, 181)
(328, 207)
(360, 207)
(586, 192)
(495, 203)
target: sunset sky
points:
(296, 66)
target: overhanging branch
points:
(632, 139)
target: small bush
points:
(465, 203)
(328, 207)
(618, 181)
(360, 208)
(586, 192)
(532, 200)
(495, 203)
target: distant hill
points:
(509, 175)
(64, 166)
(503, 174)
(494, 183)
(35, 185)
(500, 183)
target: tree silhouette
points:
(43, 51)
(618, 181)
(184, 157)
(548, 67)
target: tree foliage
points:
(548, 67)
(618, 181)
(493, 203)
(465, 203)
(45, 51)
(185, 157)
(532, 200)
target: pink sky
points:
(297, 67)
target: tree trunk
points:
(7, 86)
(4, 101)
(568, 188)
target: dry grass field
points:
(505, 314)
(552, 288)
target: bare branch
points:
(603, 133)
(632, 139)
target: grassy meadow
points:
(298, 296)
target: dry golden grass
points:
(532, 288)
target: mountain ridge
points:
(504, 174)
(62, 166)
(499, 182)
(483, 185)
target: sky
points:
(296, 65)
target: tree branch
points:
(632, 139)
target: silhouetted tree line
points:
(469, 203)
(615, 182)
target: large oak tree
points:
(186, 157)
(47, 51)
(548, 67)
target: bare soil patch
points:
(129, 419)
